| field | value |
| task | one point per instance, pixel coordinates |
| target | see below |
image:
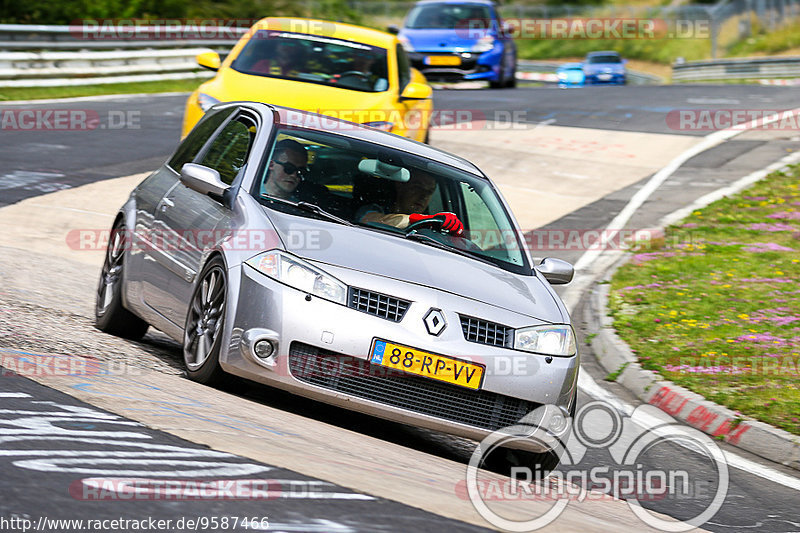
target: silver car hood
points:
(390, 256)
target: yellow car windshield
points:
(315, 59)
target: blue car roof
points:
(603, 53)
(484, 2)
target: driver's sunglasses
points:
(291, 168)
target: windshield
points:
(442, 16)
(608, 58)
(314, 59)
(386, 190)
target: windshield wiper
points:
(311, 208)
(421, 237)
(314, 208)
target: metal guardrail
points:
(50, 69)
(49, 56)
(737, 69)
(41, 37)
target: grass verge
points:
(37, 93)
(663, 51)
(715, 307)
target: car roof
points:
(287, 116)
(326, 28)
(603, 53)
(484, 2)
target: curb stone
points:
(682, 404)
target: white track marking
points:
(588, 385)
(588, 259)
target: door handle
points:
(165, 203)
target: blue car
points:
(570, 75)
(452, 40)
(604, 68)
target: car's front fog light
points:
(263, 349)
(556, 340)
(299, 274)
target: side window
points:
(197, 138)
(403, 67)
(228, 152)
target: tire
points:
(110, 316)
(501, 79)
(202, 335)
(512, 81)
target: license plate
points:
(443, 60)
(604, 77)
(427, 364)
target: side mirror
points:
(203, 180)
(416, 91)
(394, 29)
(209, 60)
(556, 271)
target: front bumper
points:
(472, 66)
(322, 352)
(605, 79)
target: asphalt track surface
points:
(36, 163)
(52, 452)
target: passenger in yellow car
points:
(285, 59)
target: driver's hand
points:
(451, 222)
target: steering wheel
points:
(434, 222)
(358, 73)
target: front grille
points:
(377, 304)
(360, 378)
(485, 332)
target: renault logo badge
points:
(435, 322)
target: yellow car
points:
(349, 72)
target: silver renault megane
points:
(344, 264)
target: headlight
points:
(547, 340)
(484, 44)
(406, 43)
(380, 125)
(299, 274)
(206, 102)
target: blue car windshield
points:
(314, 59)
(608, 58)
(448, 16)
